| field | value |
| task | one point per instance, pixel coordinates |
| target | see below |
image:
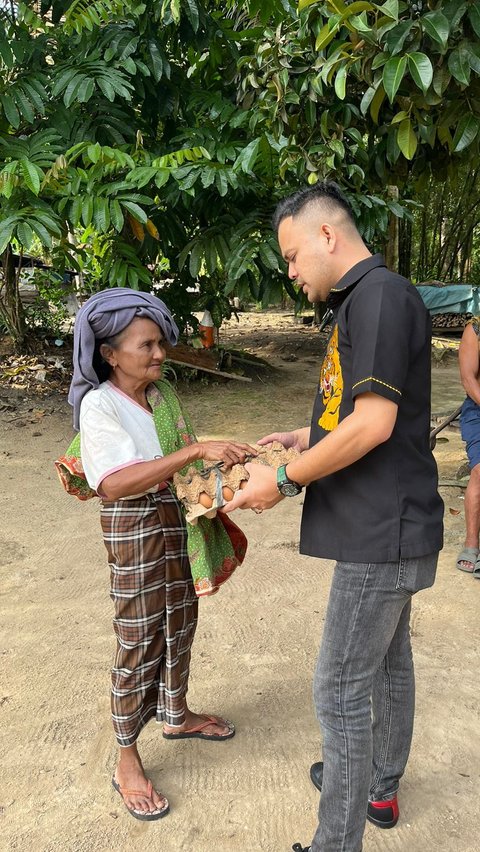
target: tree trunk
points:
(405, 248)
(392, 244)
(11, 308)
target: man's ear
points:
(327, 232)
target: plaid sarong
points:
(155, 611)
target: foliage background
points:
(146, 143)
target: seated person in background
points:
(469, 359)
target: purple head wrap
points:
(106, 314)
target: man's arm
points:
(370, 424)
(468, 358)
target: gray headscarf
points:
(104, 315)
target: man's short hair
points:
(326, 192)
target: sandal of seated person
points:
(467, 559)
(148, 816)
(198, 731)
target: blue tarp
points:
(452, 299)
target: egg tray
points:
(207, 486)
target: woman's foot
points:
(139, 797)
(201, 726)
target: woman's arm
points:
(141, 476)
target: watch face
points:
(285, 485)
(289, 489)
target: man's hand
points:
(259, 493)
(297, 440)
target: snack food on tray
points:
(203, 492)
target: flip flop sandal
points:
(197, 731)
(476, 571)
(469, 555)
(147, 816)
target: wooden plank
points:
(208, 370)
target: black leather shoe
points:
(297, 848)
(382, 814)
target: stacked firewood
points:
(450, 321)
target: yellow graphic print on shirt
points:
(331, 384)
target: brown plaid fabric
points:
(155, 611)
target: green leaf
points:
(195, 261)
(377, 102)
(94, 152)
(11, 112)
(400, 116)
(325, 36)
(192, 14)
(6, 232)
(31, 93)
(23, 104)
(341, 82)
(397, 37)
(25, 235)
(41, 232)
(135, 211)
(474, 15)
(87, 210)
(101, 215)
(389, 8)
(473, 53)
(406, 139)
(436, 26)
(459, 66)
(70, 92)
(31, 175)
(248, 156)
(421, 70)
(106, 87)
(6, 52)
(157, 61)
(85, 90)
(116, 215)
(441, 80)
(466, 132)
(76, 210)
(393, 74)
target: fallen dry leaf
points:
(454, 511)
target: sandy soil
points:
(253, 657)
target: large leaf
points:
(393, 74)
(466, 132)
(436, 26)
(421, 70)
(459, 66)
(25, 235)
(474, 15)
(135, 210)
(406, 139)
(247, 157)
(341, 82)
(31, 175)
(11, 112)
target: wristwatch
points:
(285, 485)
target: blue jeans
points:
(364, 692)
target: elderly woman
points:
(129, 451)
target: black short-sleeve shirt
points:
(386, 505)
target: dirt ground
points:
(253, 657)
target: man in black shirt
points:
(371, 503)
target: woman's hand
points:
(229, 452)
(296, 440)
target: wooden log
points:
(208, 370)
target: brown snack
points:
(198, 492)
